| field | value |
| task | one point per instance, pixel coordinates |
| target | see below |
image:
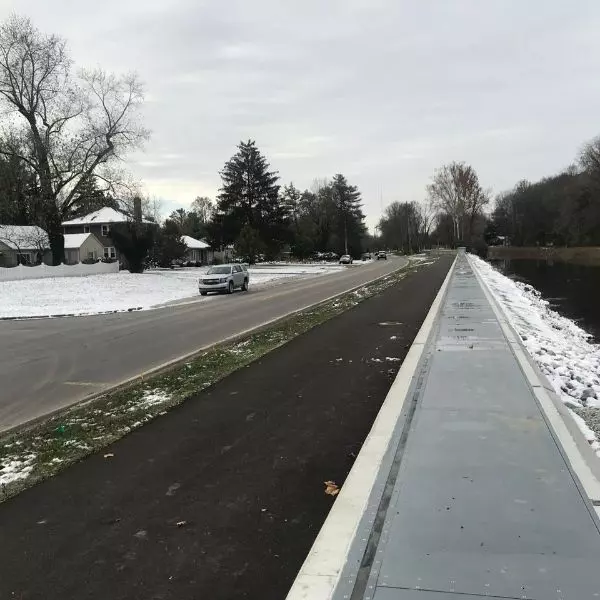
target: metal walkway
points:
(475, 498)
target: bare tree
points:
(203, 207)
(455, 190)
(589, 158)
(64, 128)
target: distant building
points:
(23, 245)
(198, 251)
(99, 223)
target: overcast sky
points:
(383, 91)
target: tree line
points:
(258, 217)
(561, 210)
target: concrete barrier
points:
(44, 271)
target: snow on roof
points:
(193, 243)
(75, 240)
(104, 215)
(24, 237)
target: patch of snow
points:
(392, 359)
(123, 291)
(152, 398)
(561, 349)
(14, 468)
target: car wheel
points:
(230, 288)
(203, 293)
(245, 286)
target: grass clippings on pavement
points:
(32, 455)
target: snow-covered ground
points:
(124, 291)
(562, 350)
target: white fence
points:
(42, 271)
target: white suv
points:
(224, 278)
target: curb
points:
(569, 438)
(64, 315)
(319, 575)
(11, 431)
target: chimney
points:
(137, 210)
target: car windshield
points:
(219, 271)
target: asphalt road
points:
(48, 364)
(222, 497)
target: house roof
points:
(193, 243)
(24, 237)
(75, 240)
(103, 216)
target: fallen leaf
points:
(331, 488)
(109, 455)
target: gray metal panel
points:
(400, 594)
(491, 383)
(484, 503)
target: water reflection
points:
(573, 290)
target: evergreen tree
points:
(90, 198)
(133, 241)
(248, 245)
(350, 227)
(250, 196)
(167, 245)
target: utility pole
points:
(345, 232)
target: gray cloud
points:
(381, 90)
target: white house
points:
(197, 251)
(23, 245)
(82, 246)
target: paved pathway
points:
(478, 500)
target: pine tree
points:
(350, 227)
(250, 196)
(248, 245)
(90, 198)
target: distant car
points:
(367, 256)
(381, 255)
(224, 279)
(345, 259)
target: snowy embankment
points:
(124, 291)
(561, 349)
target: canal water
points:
(572, 290)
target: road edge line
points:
(166, 366)
(575, 448)
(321, 571)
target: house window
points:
(110, 252)
(105, 230)
(86, 229)
(92, 255)
(24, 258)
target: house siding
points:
(8, 257)
(77, 255)
(204, 256)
